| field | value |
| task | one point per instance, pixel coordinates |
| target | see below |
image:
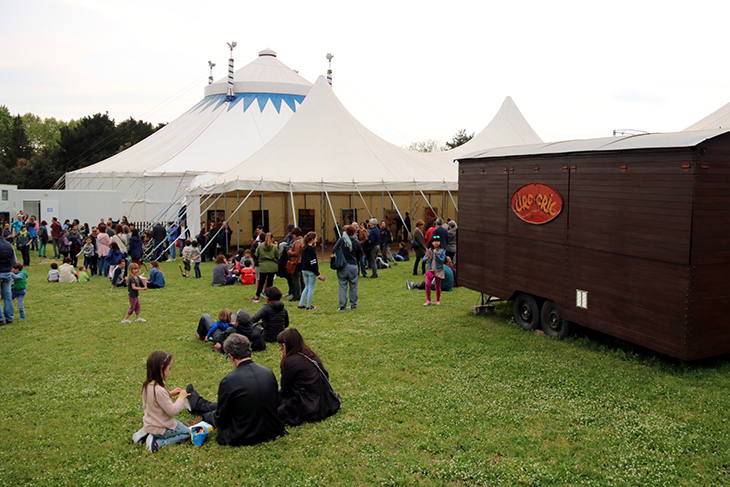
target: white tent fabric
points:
(204, 142)
(716, 120)
(325, 147)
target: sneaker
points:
(341, 308)
(353, 306)
(438, 302)
(427, 303)
(293, 299)
(187, 405)
(152, 445)
(126, 321)
(287, 296)
(410, 285)
(255, 300)
(142, 320)
(311, 307)
(301, 307)
(139, 436)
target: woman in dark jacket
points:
(305, 393)
(135, 247)
(419, 247)
(310, 271)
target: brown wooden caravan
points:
(626, 235)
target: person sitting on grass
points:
(53, 275)
(447, 283)
(157, 278)
(83, 275)
(273, 316)
(160, 426)
(217, 330)
(245, 413)
(221, 276)
(305, 390)
(119, 276)
(67, 273)
(403, 254)
(244, 327)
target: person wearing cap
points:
(374, 239)
(442, 233)
(435, 258)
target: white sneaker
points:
(141, 320)
(187, 405)
(152, 445)
(126, 321)
(139, 436)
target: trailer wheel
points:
(527, 312)
(553, 323)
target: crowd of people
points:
(251, 406)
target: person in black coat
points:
(273, 315)
(159, 234)
(244, 326)
(246, 411)
(305, 393)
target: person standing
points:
(406, 226)
(22, 242)
(419, 247)
(7, 259)
(158, 236)
(385, 239)
(310, 271)
(246, 411)
(435, 257)
(266, 254)
(295, 255)
(374, 241)
(451, 246)
(55, 235)
(347, 276)
(172, 234)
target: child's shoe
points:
(125, 322)
(141, 320)
(427, 303)
(139, 436)
(152, 445)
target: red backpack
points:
(248, 276)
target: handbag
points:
(291, 266)
(333, 398)
(337, 261)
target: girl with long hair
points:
(310, 270)
(267, 254)
(159, 411)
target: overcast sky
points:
(408, 70)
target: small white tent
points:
(207, 140)
(326, 167)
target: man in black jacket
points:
(246, 411)
(159, 234)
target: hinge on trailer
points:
(686, 166)
(573, 168)
(565, 168)
(461, 171)
(704, 165)
(623, 167)
(511, 170)
(537, 168)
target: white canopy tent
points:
(716, 120)
(202, 143)
(326, 167)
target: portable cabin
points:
(629, 236)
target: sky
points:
(407, 70)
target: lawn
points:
(432, 396)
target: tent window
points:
(5, 195)
(306, 221)
(259, 217)
(349, 216)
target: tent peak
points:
(267, 52)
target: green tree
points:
(42, 133)
(90, 140)
(132, 131)
(15, 144)
(460, 138)
(426, 145)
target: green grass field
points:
(432, 396)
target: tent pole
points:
(321, 200)
(382, 205)
(396, 208)
(293, 210)
(363, 200)
(234, 212)
(443, 204)
(450, 196)
(424, 197)
(238, 223)
(337, 227)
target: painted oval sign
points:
(537, 203)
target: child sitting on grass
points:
(53, 273)
(83, 275)
(216, 332)
(20, 283)
(67, 273)
(134, 286)
(119, 275)
(159, 421)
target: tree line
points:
(35, 152)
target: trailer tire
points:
(527, 312)
(553, 323)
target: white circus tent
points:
(324, 168)
(718, 119)
(156, 174)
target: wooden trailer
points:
(626, 235)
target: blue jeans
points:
(197, 270)
(7, 295)
(363, 265)
(173, 436)
(20, 296)
(158, 250)
(398, 258)
(103, 266)
(172, 251)
(310, 280)
(348, 275)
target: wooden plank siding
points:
(645, 232)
